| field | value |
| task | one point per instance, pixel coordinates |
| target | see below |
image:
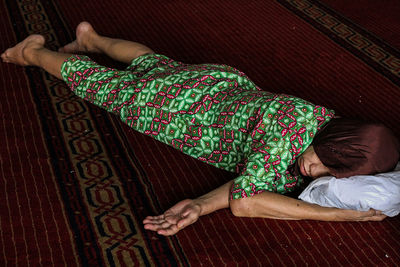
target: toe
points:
(5, 59)
(4, 56)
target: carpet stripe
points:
(22, 164)
(36, 201)
(7, 229)
(390, 242)
(44, 185)
(160, 169)
(290, 242)
(262, 240)
(22, 200)
(338, 245)
(284, 238)
(336, 236)
(255, 238)
(362, 240)
(328, 243)
(349, 243)
(314, 235)
(376, 246)
(185, 184)
(308, 249)
(14, 189)
(11, 247)
(227, 220)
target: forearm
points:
(266, 205)
(276, 206)
(215, 200)
(272, 205)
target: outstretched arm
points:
(264, 205)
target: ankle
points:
(31, 55)
(93, 42)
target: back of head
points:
(350, 147)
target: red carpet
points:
(76, 183)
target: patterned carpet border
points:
(361, 43)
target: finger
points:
(169, 231)
(173, 219)
(154, 222)
(154, 219)
(157, 227)
(160, 224)
(151, 227)
(163, 229)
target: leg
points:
(88, 40)
(31, 52)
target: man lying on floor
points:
(217, 115)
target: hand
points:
(370, 215)
(182, 214)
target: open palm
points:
(179, 216)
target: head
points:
(349, 147)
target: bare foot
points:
(85, 34)
(20, 53)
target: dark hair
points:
(350, 147)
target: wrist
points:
(203, 204)
(214, 200)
